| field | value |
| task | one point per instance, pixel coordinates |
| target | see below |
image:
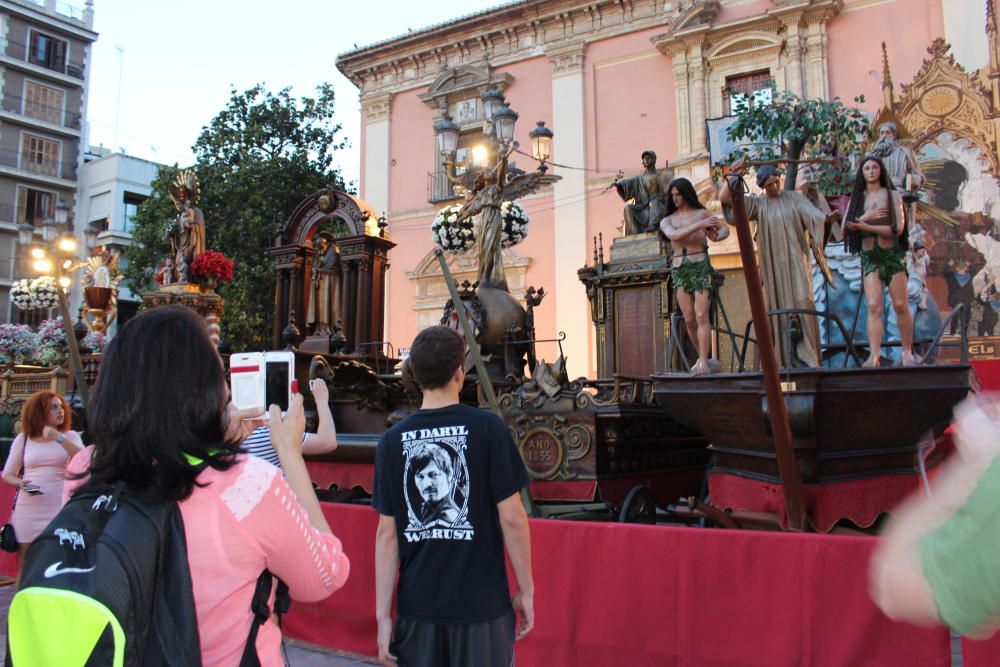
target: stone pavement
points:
(300, 654)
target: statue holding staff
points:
(787, 226)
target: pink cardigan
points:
(245, 520)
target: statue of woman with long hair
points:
(875, 228)
(689, 227)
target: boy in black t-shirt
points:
(446, 485)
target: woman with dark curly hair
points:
(37, 464)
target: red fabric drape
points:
(610, 594)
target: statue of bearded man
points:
(899, 160)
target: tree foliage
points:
(790, 127)
(256, 160)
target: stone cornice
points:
(510, 33)
(683, 36)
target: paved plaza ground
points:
(300, 654)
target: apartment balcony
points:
(19, 56)
(38, 168)
(43, 117)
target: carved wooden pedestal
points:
(207, 304)
(630, 304)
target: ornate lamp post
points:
(57, 257)
(488, 185)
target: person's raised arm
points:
(386, 569)
(679, 233)
(324, 440)
(70, 440)
(286, 438)
(725, 195)
(517, 539)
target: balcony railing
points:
(42, 112)
(439, 188)
(19, 51)
(37, 164)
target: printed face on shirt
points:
(433, 483)
(436, 484)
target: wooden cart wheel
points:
(638, 506)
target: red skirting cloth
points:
(612, 594)
(988, 372)
(344, 475)
(860, 501)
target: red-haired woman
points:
(43, 448)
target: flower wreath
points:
(450, 233)
(44, 293)
(515, 224)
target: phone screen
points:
(277, 384)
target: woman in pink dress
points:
(43, 448)
(163, 425)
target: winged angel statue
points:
(487, 190)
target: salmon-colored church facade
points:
(612, 78)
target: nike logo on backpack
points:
(55, 570)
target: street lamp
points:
(492, 101)
(541, 144)
(57, 257)
(447, 135)
(503, 123)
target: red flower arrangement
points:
(214, 265)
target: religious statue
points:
(875, 228)
(647, 194)
(689, 227)
(787, 226)
(187, 234)
(321, 310)
(488, 189)
(900, 162)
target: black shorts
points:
(421, 644)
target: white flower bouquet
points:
(450, 233)
(20, 294)
(44, 293)
(515, 224)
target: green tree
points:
(790, 127)
(256, 160)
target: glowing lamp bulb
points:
(479, 155)
(65, 282)
(37, 253)
(43, 265)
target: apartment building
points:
(45, 51)
(112, 186)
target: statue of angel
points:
(488, 189)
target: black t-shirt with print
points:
(440, 473)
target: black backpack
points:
(106, 583)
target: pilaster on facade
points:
(566, 59)
(570, 219)
(376, 108)
(377, 113)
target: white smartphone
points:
(279, 379)
(246, 379)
